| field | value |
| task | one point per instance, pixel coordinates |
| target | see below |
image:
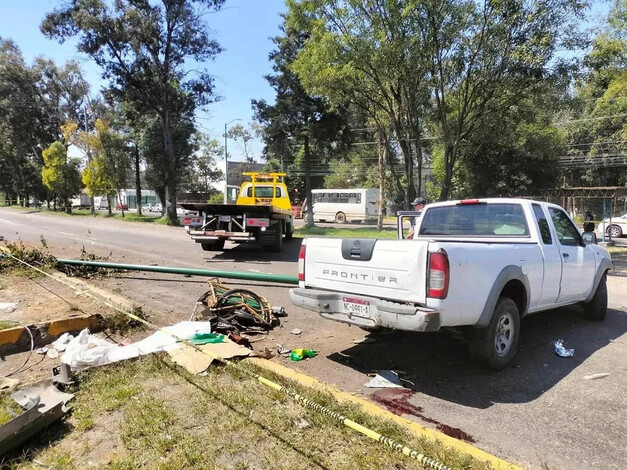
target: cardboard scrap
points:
(196, 362)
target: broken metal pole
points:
(278, 278)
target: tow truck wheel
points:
(494, 347)
(340, 218)
(278, 243)
(213, 246)
(289, 234)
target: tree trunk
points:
(170, 183)
(109, 204)
(382, 148)
(119, 196)
(138, 183)
(309, 220)
(449, 163)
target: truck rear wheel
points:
(278, 242)
(494, 347)
(289, 233)
(597, 307)
(213, 246)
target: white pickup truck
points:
(480, 264)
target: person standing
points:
(418, 204)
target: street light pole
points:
(226, 161)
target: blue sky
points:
(243, 28)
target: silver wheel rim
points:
(504, 336)
(614, 231)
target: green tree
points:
(60, 174)
(145, 49)
(299, 128)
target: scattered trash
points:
(87, 350)
(302, 424)
(52, 353)
(61, 343)
(596, 376)
(300, 354)
(7, 384)
(296, 331)
(385, 379)
(44, 405)
(364, 340)
(197, 362)
(265, 353)
(237, 310)
(239, 340)
(43, 350)
(62, 374)
(561, 351)
(206, 338)
(279, 311)
(282, 351)
(8, 307)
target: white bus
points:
(345, 205)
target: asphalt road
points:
(540, 413)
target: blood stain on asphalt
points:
(396, 400)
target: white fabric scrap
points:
(87, 350)
(385, 379)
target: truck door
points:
(578, 263)
(551, 258)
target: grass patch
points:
(156, 415)
(617, 250)
(9, 409)
(7, 324)
(366, 232)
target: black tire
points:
(289, 234)
(277, 246)
(213, 246)
(597, 307)
(494, 347)
(340, 218)
(615, 230)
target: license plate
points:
(357, 307)
(224, 218)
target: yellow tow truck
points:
(262, 213)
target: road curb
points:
(16, 338)
(372, 409)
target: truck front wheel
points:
(597, 307)
(494, 347)
(213, 246)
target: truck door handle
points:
(565, 255)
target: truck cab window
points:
(543, 225)
(567, 233)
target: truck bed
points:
(233, 209)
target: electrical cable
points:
(32, 347)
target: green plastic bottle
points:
(300, 354)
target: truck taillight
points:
(437, 282)
(301, 263)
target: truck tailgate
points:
(391, 269)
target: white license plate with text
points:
(356, 307)
(224, 218)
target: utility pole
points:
(92, 208)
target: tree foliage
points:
(144, 49)
(61, 174)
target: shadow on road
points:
(440, 365)
(254, 252)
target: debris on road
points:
(236, 310)
(279, 311)
(265, 353)
(61, 343)
(196, 361)
(385, 379)
(282, 351)
(561, 351)
(44, 404)
(602, 375)
(42, 351)
(300, 354)
(8, 307)
(296, 331)
(364, 340)
(7, 384)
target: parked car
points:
(617, 228)
(157, 208)
(147, 208)
(180, 211)
(121, 207)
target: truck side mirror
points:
(589, 238)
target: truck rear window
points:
(475, 220)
